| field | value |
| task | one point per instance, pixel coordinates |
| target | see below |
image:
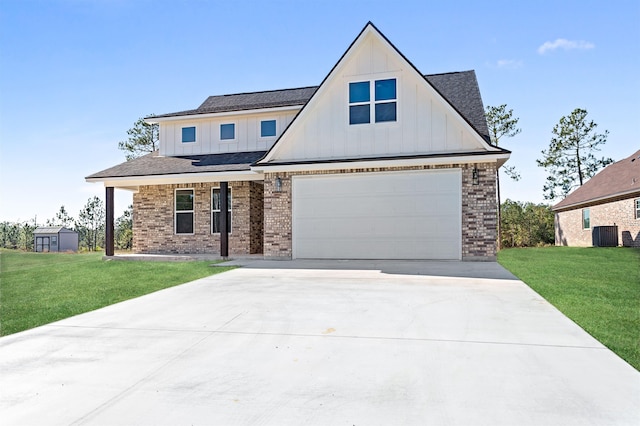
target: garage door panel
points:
(406, 215)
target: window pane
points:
(585, 219)
(359, 114)
(359, 92)
(385, 89)
(184, 223)
(386, 112)
(216, 222)
(188, 134)
(184, 199)
(267, 128)
(216, 200)
(227, 131)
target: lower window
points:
(637, 203)
(184, 211)
(215, 211)
(586, 220)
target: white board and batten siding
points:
(410, 215)
(247, 134)
(425, 123)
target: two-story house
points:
(377, 162)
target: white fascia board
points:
(500, 158)
(600, 200)
(152, 120)
(129, 182)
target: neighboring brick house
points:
(610, 198)
(378, 161)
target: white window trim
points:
(372, 100)
(582, 216)
(235, 132)
(175, 211)
(260, 128)
(218, 211)
(636, 208)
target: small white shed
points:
(54, 239)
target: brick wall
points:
(479, 213)
(153, 220)
(479, 210)
(569, 230)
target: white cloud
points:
(562, 43)
(510, 64)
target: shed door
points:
(398, 215)
(42, 244)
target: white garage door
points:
(402, 215)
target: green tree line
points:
(526, 224)
(90, 225)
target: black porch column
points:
(108, 234)
(224, 208)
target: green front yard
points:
(39, 288)
(598, 288)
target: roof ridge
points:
(449, 72)
(264, 91)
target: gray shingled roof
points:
(459, 88)
(246, 101)
(620, 179)
(462, 91)
(155, 165)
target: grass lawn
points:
(39, 288)
(598, 288)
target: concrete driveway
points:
(321, 343)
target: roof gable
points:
(428, 122)
(618, 180)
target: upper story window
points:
(383, 106)
(586, 220)
(227, 131)
(188, 134)
(637, 205)
(267, 128)
(184, 211)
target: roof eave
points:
(203, 115)
(397, 161)
(599, 200)
(128, 182)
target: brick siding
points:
(479, 210)
(153, 220)
(569, 231)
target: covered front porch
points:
(179, 204)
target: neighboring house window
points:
(184, 211)
(267, 128)
(586, 222)
(227, 131)
(215, 210)
(384, 101)
(637, 201)
(188, 134)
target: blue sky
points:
(76, 74)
